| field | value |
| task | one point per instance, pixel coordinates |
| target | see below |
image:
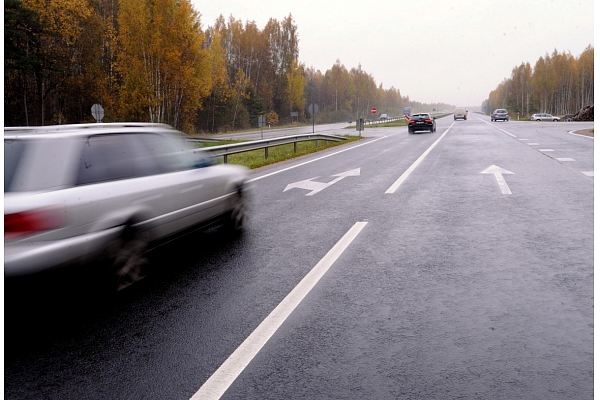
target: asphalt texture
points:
(453, 290)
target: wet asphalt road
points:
(451, 290)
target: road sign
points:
(313, 108)
(262, 121)
(98, 112)
(373, 110)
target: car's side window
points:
(113, 157)
(171, 155)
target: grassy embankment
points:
(256, 158)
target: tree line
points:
(151, 61)
(558, 84)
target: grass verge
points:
(256, 158)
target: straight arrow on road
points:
(498, 173)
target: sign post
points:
(262, 121)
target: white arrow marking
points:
(316, 187)
(498, 172)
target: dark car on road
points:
(421, 122)
(499, 115)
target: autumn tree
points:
(164, 67)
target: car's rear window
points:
(13, 153)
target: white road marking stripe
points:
(533, 144)
(523, 139)
(588, 173)
(546, 150)
(564, 159)
(228, 372)
(407, 173)
(316, 159)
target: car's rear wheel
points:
(130, 260)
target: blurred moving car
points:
(544, 117)
(460, 113)
(74, 194)
(421, 122)
(499, 114)
(383, 117)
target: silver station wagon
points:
(74, 194)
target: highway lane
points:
(451, 288)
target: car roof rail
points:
(67, 127)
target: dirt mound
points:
(586, 114)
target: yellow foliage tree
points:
(164, 67)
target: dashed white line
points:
(588, 173)
(228, 372)
(546, 150)
(564, 159)
(533, 144)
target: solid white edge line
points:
(574, 133)
(410, 169)
(316, 159)
(228, 372)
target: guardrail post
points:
(225, 159)
(266, 153)
(295, 146)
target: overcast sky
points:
(454, 52)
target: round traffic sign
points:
(373, 110)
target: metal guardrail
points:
(228, 149)
(381, 121)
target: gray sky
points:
(432, 50)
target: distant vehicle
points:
(74, 194)
(499, 114)
(383, 117)
(544, 117)
(460, 113)
(421, 122)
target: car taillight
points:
(411, 121)
(28, 222)
(427, 120)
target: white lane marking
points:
(574, 133)
(407, 173)
(316, 187)
(588, 173)
(500, 129)
(533, 144)
(523, 139)
(228, 372)
(564, 159)
(546, 150)
(316, 159)
(497, 172)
